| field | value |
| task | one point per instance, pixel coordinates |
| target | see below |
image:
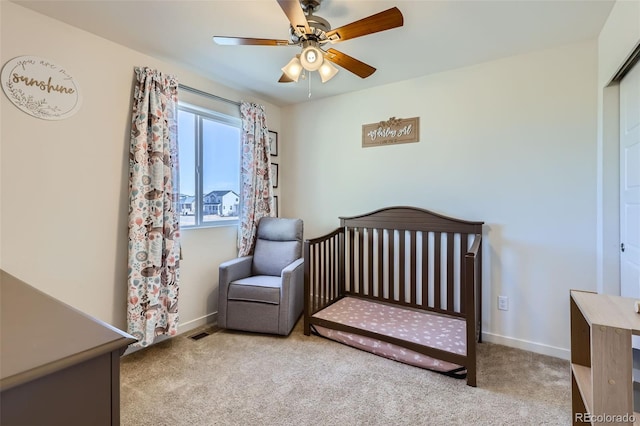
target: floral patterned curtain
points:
(154, 245)
(257, 190)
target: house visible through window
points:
(209, 156)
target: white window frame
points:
(201, 113)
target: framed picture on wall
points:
(274, 174)
(273, 143)
(275, 205)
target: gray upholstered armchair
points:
(264, 292)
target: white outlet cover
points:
(503, 303)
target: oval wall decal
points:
(40, 88)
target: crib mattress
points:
(436, 331)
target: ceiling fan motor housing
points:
(319, 27)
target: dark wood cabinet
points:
(58, 366)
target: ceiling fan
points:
(311, 32)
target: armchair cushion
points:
(278, 244)
(258, 288)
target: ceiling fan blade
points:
(245, 41)
(350, 64)
(295, 14)
(284, 79)
(391, 18)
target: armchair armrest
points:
(292, 267)
(292, 294)
(235, 269)
(229, 271)
(293, 276)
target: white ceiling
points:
(436, 36)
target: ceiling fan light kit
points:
(311, 57)
(311, 32)
(327, 71)
(293, 69)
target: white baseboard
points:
(182, 328)
(526, 345)
(198, 322)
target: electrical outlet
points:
(503, 303)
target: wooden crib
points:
(400, 282)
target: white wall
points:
(618, 38)
(64, 183)
(511, 143)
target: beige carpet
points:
(235, 378)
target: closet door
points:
(630, 184)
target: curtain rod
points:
(208, 95)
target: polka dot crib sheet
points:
(426, 329)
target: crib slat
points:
(341, 256)
(412, 268)
(380, 234)
(338, 249)
(464, 245)
(326, 270)
(425, 269)
(318, 253)
(339, 265)
(360, 287)
(334, 277)
(333, 265)
(391, 262)
(335, 268)
(312, 278)
(437, 281)
(321, 282)
(450, 280)
(351, 256)
(307, 288)
(401, 266)
(370, 261)
(326, 248)
(320, 295)
(316, 284)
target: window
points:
(209, 155)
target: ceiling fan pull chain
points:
(309, 86)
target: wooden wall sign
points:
(392, 131)
(40, 88)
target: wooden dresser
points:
(602, 327)
(58, 366)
